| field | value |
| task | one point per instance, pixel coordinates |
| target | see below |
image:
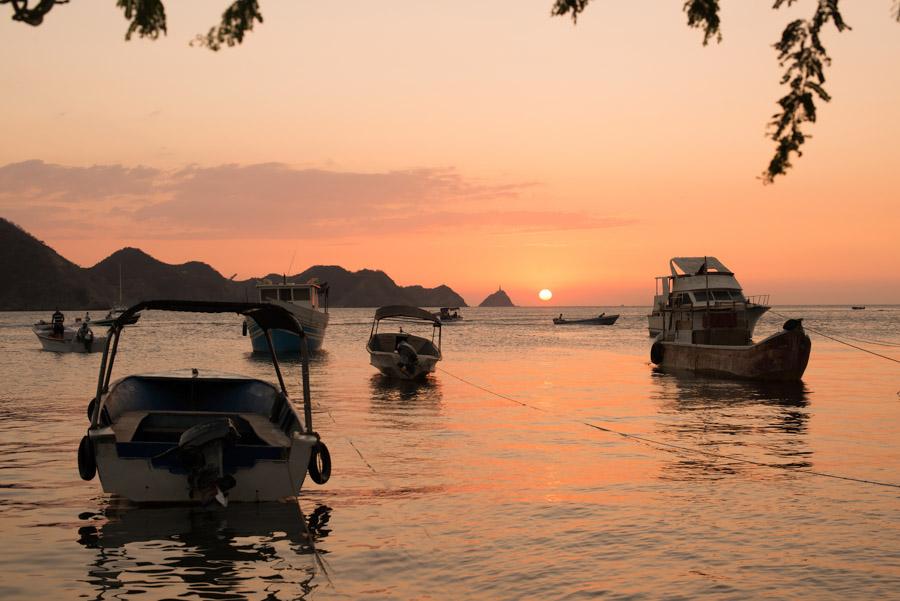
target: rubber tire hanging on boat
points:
(319, 452)
(87, 463)
(90, 408)
(656, 353)
(792, 324)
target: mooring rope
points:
(651, 442)
(859, 348)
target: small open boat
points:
(449, 315)
(401, 354)
(65, 339)
(601, 320)
(194, 436)
(858, 307)
(113, 314)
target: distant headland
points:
(36, 277)
(497, 299)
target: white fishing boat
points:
(684, 287)
(59, 338)
(401, 354)
(198, 436)
(308, 303)
(713, 337)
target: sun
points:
(545, 294)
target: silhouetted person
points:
(57, 321)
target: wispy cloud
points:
(269, 200)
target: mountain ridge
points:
(36, 277)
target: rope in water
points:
(658, 443)
(859, 348)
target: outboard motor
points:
(409, 358)
(201, 450)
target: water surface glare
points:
(444, 491)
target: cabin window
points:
(721, 295)
(301, 294)
(268, 294)
(284, 294)
(700, 296)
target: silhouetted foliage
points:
(800, 50)
(800, 53)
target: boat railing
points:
(758, 299)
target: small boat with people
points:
(858, 307)
(601, 320)
(449, 315)
(723, 288)
(57, 337)
(200, 436)
(402, 354)
(308, 303)
(114, 314)
(713, 337)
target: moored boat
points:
(196, 436)
(401, 354)
(714, 338)
(59, 338)
(601, 320)
(702, 281)
(308, 303)
(449, 315)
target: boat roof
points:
(408, 312)
(697, 266)
(449, 308)
(288, 285)
(269, 316)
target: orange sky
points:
(466, 143)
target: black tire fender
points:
(793, 324)
(87, 463)
(657, 351)
(90, 408)
(319, 463)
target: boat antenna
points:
(293, 256)
(120, 283)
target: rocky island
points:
(497, 299)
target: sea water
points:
(503, 476)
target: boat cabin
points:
(310, 295)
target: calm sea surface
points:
(444, 491)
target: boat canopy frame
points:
(405, 313)
(268, 316)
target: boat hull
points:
(780, 357)
(139, 481)
(314, 324)
(68, 343)
(389, 365)
(607, 320)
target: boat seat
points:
(167, 427)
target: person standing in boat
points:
(57, 321)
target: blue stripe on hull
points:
(284, 341)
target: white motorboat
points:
(59, 338)
(194, 436)
(309, 305)
(684, 287)
(704, 334)
(401, 354)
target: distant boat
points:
(601, 320)
(858, 307)
(449, 315)
(401, 354)
(307, 302)
(714, 337)
(117, 310)
(717, 287)
(65, 339)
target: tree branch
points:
(704, 14)
(236, 21)
(148, 17)
(33, 16)
(801, 53)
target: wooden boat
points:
(194, 436)
(601, 320)
(112, 315)
(858, 307)
(401, 354)
(717, 286)
(307, 302)
(714, 338)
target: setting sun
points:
(545, 294)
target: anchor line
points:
(859, 348)
(347, 438)
(658, 443)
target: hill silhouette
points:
(36, 277)
(497, 299)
